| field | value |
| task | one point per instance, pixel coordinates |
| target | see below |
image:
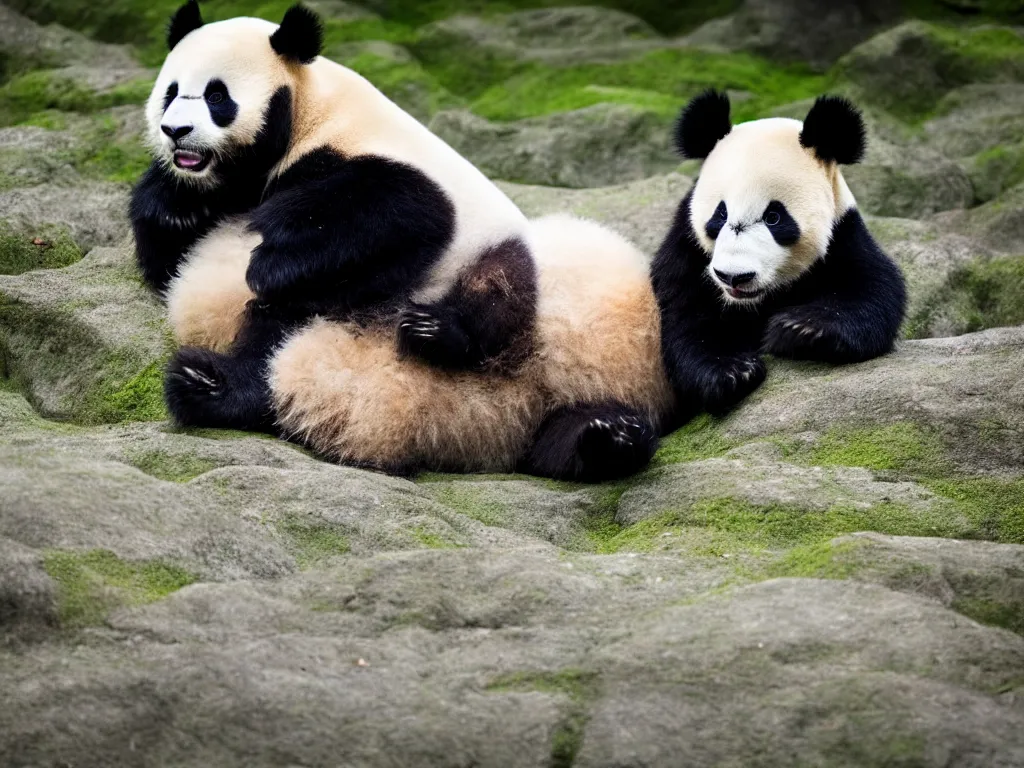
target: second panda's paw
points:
(435, 335)
(803, 333)
(729, 380)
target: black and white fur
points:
(768, 253)
(294, 212)
(358, 210)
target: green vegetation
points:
(578, 686)
(701, 438)
(432, 540)
(173, 467)
(995, 506)
(91, 584)
(908, 75)
(126, 396)
(1008, 615)
(716, 527)
(990, 293)
(313, 541)
(903, 447)
(49, 248)
(35, 92)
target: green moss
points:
(313, 541)
(48, 248)
(139, 398)
(659, 80)
(717, 527)
(996, 170)
(995, 507)
(432, 540)
(990, 293)
(578, 686)
(903, 446)
(927, 63)
(699, 439)
(995, 613)
(472, 502)
(36, 92)
(173, 467)
(91, 584)
(823, 560)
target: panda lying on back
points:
(768, 253)
(351, 207)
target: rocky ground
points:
(834, 575)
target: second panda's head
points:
(769, 192)
(225, 91)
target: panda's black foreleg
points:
(485, 321)
(229, 391)
(591, 443)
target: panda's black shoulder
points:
(679, 262)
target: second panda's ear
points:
(184, 20)
(300, 36)
(703, 122)
(834, 129)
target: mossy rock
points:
(86, 342)
(48, 248)
(588, 147)
(908, 69)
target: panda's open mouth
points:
(193, 162)
(738, 293)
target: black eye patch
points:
(717, 221)
(223, 109)
(783, 227)
(171, 95)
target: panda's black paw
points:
(195, 380)
(804, 333)
(435, 334)
(614, 446)
(274, 276)
(730, 380)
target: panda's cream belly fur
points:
(206, 301)
(344, 390)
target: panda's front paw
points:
(729, 380)
(802, 334)
(273, 276)
(435, 335)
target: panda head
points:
(770, 191)
(213, 92)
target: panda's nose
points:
(736, 279)
(176, 132)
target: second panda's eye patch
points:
(223, 110)
(783, 227)
(717, 220)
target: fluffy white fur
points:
(743, 170)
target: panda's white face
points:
(211, 96)
(764, 207)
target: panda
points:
(341, 277)
(286, 186)
(768, 253)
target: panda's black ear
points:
(300, 36)
(184, 20)
(834, 129)
(703, 122)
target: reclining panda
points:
(339, 274)
(768, 253)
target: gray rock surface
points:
(833, 575)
